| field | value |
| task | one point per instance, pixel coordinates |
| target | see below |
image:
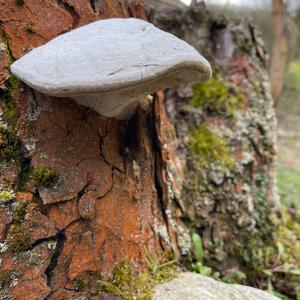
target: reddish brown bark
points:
(105, 206)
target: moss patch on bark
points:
(129, 283)
(209, 147)
(217, 96)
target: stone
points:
(198, 287)
(110, 65)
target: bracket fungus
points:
(110, 65)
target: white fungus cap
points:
(110, 65)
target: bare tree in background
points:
(280, 48)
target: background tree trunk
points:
(279, 48)
(227, 194)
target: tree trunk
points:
(279, 50)
(227, 193)
(86, 190)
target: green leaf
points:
(298, 293)
(270, 287)
(206, 271)
(196, 267)
(268, 272)
(294, 271)
(198, 247)
(280, 248)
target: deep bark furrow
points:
(71, 10)
(60, 240)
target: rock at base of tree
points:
(198, 287)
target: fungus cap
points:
(110, 65)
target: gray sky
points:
(221, 1)
(293, 4)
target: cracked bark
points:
(104, 207)
(60, 240)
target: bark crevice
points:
(60, 241)
(71, 10)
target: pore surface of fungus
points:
(110, 65)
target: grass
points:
(288, 113)
(271, 260)
(131, 282)
(292, 80)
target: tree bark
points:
(279, 49)
(107, 203)
(230, 207)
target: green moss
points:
(7, 196)
(209, 148)
(29, 27)
(12, 85)
(9, 143)
(4, 39)
(19, 2)
(19, 212)
(5, 278)
(8, 134)
(10, 146)
(217, 97)
(10, 112)
(12, 81)
(44, 176)
(130, 284)
(78, 284)
(19, 239)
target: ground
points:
(288, 112)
